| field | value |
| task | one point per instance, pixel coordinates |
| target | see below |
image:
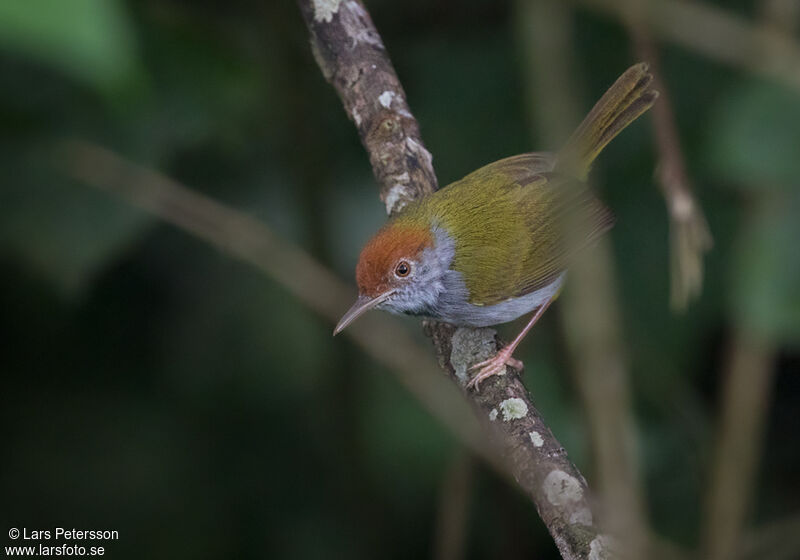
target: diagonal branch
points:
(317, 287)
(353, 59)
(454, 504)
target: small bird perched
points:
(496, 244)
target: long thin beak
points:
(361, 306)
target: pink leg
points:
(497, 364)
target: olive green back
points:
(508, 221)
(517, 222)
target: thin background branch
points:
(314, 285)
(714, 33)
(589, 304)
(454, 504)
(779, 540)
(748, 377)
(689, 235)
(745, 399)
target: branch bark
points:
(353, 59)
(351, 55)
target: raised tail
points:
(623, 103)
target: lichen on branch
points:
(353, 59)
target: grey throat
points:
(441, 293)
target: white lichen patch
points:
(470, 346)
(323, 65)
(352, 17)
(402, 178)
(682, 205)
(493, 415)
(385, 99)
(418, 150)
(396, 198)
(513, 409)
(582, 516)
(536, 439)
(599, 548)
(562, 489)
(356, 117)
(324, 9)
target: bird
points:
(497, 244)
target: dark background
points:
(155, 385)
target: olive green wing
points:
(517, 224)
(562, 217)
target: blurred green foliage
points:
(91, 40)
(155, 386)
(756, 130)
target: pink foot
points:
(494, 366)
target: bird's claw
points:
(496, 365)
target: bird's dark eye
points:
(402, 269)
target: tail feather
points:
(623, 103)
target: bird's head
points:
(400, 270)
